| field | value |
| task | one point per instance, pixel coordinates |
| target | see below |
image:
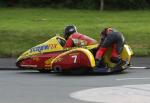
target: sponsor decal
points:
(79, 42)
(34, 66)
(48, 61)
(43, 47)
(58, 60)
(35, 59)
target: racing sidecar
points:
(51, 56)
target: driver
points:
(110, 38)
(73, 38)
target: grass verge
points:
(21, 28)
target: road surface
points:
(28, 86)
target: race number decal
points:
(75, 58)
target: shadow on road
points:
(32, 72)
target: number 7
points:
(75, 58)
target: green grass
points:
(20, 29)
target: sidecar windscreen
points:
(61, 41)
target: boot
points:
(100, 67)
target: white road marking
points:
(139, 67)
(119, 94)
(133, 79)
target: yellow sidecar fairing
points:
(125, 55)
(52, 45)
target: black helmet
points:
(70, 29)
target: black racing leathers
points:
(113, 37)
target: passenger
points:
(73, 38)
(110, 38)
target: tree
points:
(101, 5)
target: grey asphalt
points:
(7, 63)
(29, 86)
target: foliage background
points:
(79, 4)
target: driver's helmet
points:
(70, 29)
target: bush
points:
(79, 4)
